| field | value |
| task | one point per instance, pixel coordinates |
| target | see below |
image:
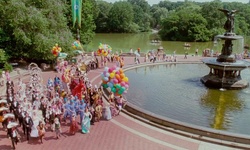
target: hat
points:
(12, 124)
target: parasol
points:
(3, 109)
(12, 124)
(78, 51)
(3, 101)
(8, 115)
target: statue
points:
(229, 25)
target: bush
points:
(8, 67)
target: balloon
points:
(125, 79)
(117, 76)
(123, 89)
(113, 89)
(126, 86)
(120, 92)
(105, 78)
(106, 68)
(115, 81)
(110, 84)
(112, 75)
(105, 85)
(110, 70)
(123, 83)
(118, 86)
(107, 74)
(122, 75)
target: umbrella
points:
(78, 51)
(3, 101)
(62, 55)
(12, 124)
(3, 109)
(8, 115)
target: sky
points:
(151, 2)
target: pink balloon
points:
(115, 81)
(123, 83)
(110, 70)
(126, 86)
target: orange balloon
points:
(117, 76)
(122, 75)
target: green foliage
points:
(121, 17)
(185, 25)
(34, 27)
(141, 14)
(88, 23)
(102, 18)
(158, 14)
(3, 57)
(8, 67)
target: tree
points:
(33, 28)
(88, 23)
(158, 14)
(214, 17)
(121, 17)
(141, 14)
(185, 25)
(101, 20)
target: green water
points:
(124, 42)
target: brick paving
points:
(120, 133)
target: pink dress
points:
(7, 74)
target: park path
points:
(120, 133)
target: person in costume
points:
(72, 111)
(57, 127)
(98, 112)
(73, 127)
(86, 121)
(81, 109)
(28, 124)
(41, 130)
(13, 134)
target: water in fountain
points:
(223, 79)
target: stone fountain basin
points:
(238, 65)
(232, 37)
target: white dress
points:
(34, 130)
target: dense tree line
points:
(29, 29)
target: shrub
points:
(8, 67)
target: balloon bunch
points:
(56, 50)
(115, 79)
(77, 45)
(104, 49)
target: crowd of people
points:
(69, 100)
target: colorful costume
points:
(73, 127)
(86, 122)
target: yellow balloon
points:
(125, 79)
(112, 75)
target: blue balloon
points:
(107, 74)
(106, 68)
(105, 78)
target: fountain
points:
(225, 70)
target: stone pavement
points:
(120, 133)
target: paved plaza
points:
(120, 133)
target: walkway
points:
(120, 133)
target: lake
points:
(122, 41)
